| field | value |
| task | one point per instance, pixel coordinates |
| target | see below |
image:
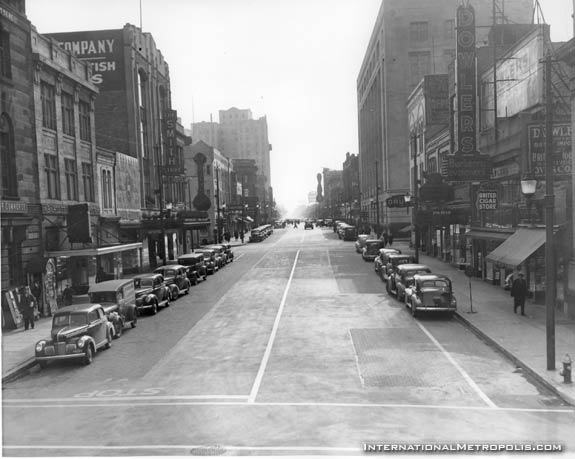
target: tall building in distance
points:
(239, 136)
(410, 39)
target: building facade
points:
(410, 39)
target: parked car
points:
(381, 260)
(209, 260)
(77, 333)
(308, 224)
(151, 292)
(220, 251)
(371, 249)
(394, 260)
(360, 242)
(402, 278)
(229, 251)
(431, 292)
(176, 278)
(118, 298)
(196, 267)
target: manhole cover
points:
(208, 451)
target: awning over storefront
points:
(518, 247)
(94, 251)
(491, 235)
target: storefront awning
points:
(94, 251)
(518, 247)
(490, 235)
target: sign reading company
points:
(487, 200)
(103, 50)
(562, 165)
(466, 76)
(397, 200)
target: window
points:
(418, 32)
(88, 180)
(9, 183)
(71, 179)
(52, 176)
(67, 113)
(47, 94)
(5, 61)
(449, 29)
(85, 125)
(419, 65)
(107, 197)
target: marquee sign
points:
(466, 77)
(397, 200)
(468, 168)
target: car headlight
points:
(40, 346)
(453, 302)
(81, 342)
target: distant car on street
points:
(308, 225)
(371, 249)
(176, 278)
(118, 298)
(380, 261)
(394, 260)
(360, 243)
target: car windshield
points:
(146, 282)
(74, 319)
(103, 297)
(400, 261)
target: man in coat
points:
(26, 305)
(519, 293)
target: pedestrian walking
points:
(385, 239)
(242, 236)
(36, 291)
(26, 304)
(227, 236)
(519, 293)
(390, 239)
(236, 234)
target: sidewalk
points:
(521, 338)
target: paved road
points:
(295, 348)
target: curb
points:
(17, 372)
(516, 361)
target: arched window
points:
(8, 158)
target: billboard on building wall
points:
(128, 194)
(103, 50)
(562, 154)
(172, 166)
(436, 94)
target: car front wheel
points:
(413, 310)
(109, 339)
(135, 321)
(88, 355)
(154, 307)
(119, 330)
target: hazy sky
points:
(294, 61)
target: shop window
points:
(88, 181)
(418, 32)
(7, 158)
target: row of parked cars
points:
(345, 231)
(79, 332)
(410, 282)
(261, 232)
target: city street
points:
(294, 348)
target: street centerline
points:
(264, 362)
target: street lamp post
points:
(377, 197)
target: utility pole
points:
(415, 199)
(161, 197)
(550, 283)
(218, 219)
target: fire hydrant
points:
(566, 371)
